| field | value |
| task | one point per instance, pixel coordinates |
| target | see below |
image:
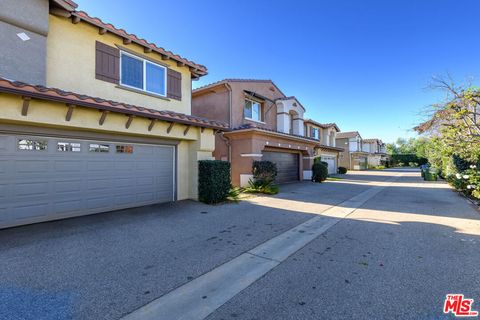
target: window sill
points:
(256, 121)
(142, 92)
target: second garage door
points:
(47, 178)
(287, 165)
(332, 164)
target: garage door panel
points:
(31, 166)
(67, 206)
(43, 185)
(4, 166)
(31, 189)
(99, 202)
(32, 210)
(67, 186)
(287, 165)
(70, 166)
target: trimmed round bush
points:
(342, 170)
(319, 172)
(213, 181)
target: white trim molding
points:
(251, 155)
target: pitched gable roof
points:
(349, 134)
(197, 70)
(221, 82)
(323, 125)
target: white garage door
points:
(50, 178)
(332, 164)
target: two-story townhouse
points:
(93, 118)
(353, 157)
(326, 133)
(264, 123)
(377, 154)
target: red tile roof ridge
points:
(121, 32)
(216, 83)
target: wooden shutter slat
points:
(174, 84)
(107, 63)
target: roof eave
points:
(197, 71)
(272, 133)
(86, 104)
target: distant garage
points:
(287, 165)
(332, 163)
(47, 177)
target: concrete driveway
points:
(395, 256)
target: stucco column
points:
(200, 149)
(308, 158)
(283, 122)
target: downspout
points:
(227, 141)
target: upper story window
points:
(253, 110)
(315, 133)
(142, 74)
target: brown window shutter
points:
(107, 63)
(174, 84)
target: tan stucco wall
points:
(253, 143)
(71, 66)
(214, 103)
(193, 146)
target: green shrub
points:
(401, 160)
(264, 174)
(214, 182)
(264, 171)
(261, 186)
(461, 164)
(319, 172)
(342, 170)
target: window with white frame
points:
(142, 74)
(253, 110)
(315, 133)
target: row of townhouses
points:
(94, 119)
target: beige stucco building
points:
(264, 124)
(327, 150)
(353, 157)
(105, 123)
(377, 153)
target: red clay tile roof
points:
(350, 134)
(53, 94)
(323, 125)
(195, 68)
(253, 127)
(380, 142)
(216, 83)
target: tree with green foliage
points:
(453, 131)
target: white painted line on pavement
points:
(200, 297)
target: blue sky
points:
(362, 64)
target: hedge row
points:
(213, 181)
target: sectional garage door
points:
(45, 178)
(287, 165)
(332, 164)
